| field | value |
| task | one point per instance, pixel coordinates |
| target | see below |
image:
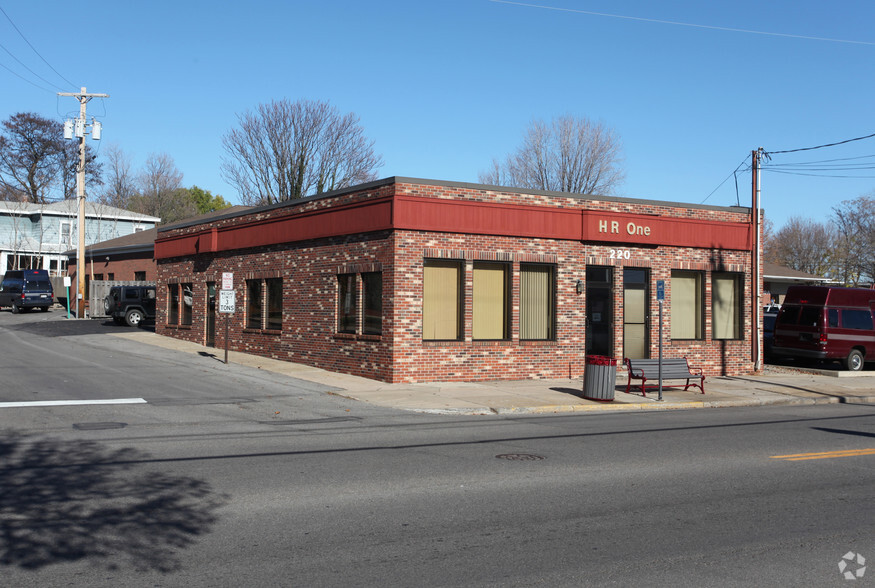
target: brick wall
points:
(310, 293)
(123, 266)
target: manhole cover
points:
(520, 457)
(98, 426)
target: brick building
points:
(409, 280)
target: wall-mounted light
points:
(579, 286)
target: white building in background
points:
(37, 236)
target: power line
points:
(71, 84)
(25, 79)
(795, 173)
(735, 171)
(28, 69)
(820, 146)
(836, 165)
(685, 24)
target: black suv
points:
(130, 304)
(26, 289)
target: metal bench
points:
(672, 369)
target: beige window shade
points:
(440, 300)
(490, 301)
(725, 307)
(536, 302)
(686, 305)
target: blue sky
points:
(444, 87)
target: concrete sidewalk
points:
(776, 385)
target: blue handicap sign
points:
(660, 289)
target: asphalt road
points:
(230, 476)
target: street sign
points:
(227, 280)
(226, 301)
(660, 289)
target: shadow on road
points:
(61, 327)
(64, 501)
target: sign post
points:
(67, 283)
(660, 297)
(227, 300)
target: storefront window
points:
(726, 306)
(253, 304)
(187, 301)
(491, 317)
(536, 302)
(441, 300)
(274, 287)
(372, 284)
(172, 304)
(347, 303)
(687, 305)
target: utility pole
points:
(756, 293)
(80, 131)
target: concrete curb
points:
(359, 390)
(631, 407)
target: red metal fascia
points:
(178, 246)
(462, 216)
(485, 218)
(350, 219)
(358, 217)
(640, 229)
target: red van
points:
(821, 322)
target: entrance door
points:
(211, 314)
(599, 311)
(635, 315)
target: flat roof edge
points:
(451, 184)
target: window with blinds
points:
(726, 298)
(536, 302)
(490, 308)
(687, 305)
(441, 300)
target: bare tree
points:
(161, 191)
(121, 186)
(286, 150)
(571, 154)
(30, 149)
(804, 245)
(69, 157)
(35, 160)
(855, 240)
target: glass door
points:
(211, 314)
(599, 311)
(635, 315)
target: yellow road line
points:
(825, 454)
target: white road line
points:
(72, 402)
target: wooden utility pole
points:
(756, 293)
(80, 126)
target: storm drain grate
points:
(520, 457)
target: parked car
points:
(827, 323)
(26, 289)
(130, 304)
